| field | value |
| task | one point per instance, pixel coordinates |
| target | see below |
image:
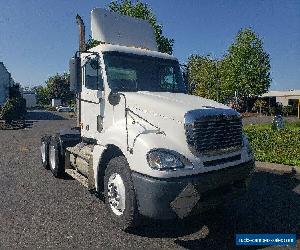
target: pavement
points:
(277, 168)
(39, 211)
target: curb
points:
(277, 168)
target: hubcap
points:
(52, 157)
(116, 194)
(43, 152)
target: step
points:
(77, 176)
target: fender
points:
(97, 155)
(140, 142)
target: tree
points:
(260, 106)
(245, 69)
(203, 76)
(142, 11)
(91, 43)
(15, 107)
(58, 86)
(42, 95)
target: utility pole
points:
(299, 109)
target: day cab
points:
(149, 147)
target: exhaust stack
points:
(82, 45)
(82, 48)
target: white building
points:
(30, 98)
(5, 82)
(286, 98)
(55, 102)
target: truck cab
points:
(142, 141)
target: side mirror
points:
(114, 98)
(75, 74)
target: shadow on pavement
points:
(271, 205)
(38, 115)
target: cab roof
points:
(132, 50)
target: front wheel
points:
(119, 193)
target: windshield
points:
(130, 73)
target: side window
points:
(93, 77)
(167, 78)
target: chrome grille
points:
(218, 133)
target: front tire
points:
(119, 193)
(56, 161)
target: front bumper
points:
(179, 197)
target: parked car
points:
(65, 109)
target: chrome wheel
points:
(43, 152)
(116, 194)
(52, 158)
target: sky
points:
(37, 37)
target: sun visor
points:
(113, 28)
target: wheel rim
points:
(116, 194)
(52, 157)
(43, 152)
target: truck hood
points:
(173, 105)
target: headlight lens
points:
(165, 160)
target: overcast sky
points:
(37, 37)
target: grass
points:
(282, 146)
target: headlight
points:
(162, 159)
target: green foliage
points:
(14, 91)
(42, 95)
(246, 66)
(13, 109)
(287, 110)
(278, 146)
(244, 70)
(260, 106)
(57, 86)
(142, 11)
(203, 75)
(92, 43)
(272, 111)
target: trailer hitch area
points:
(185, 201)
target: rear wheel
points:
(45, 141)
(119, 193)
(56, 161)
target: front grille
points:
(221, 161)
(215, 134)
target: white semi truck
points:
(145, 144)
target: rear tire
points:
(56, 161)
(45, 141)
(119, 193)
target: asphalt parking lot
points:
(39, 211)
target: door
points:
(91, 97)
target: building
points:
(286, 98)
(55, 102)
(5, 82)
(30, 98)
